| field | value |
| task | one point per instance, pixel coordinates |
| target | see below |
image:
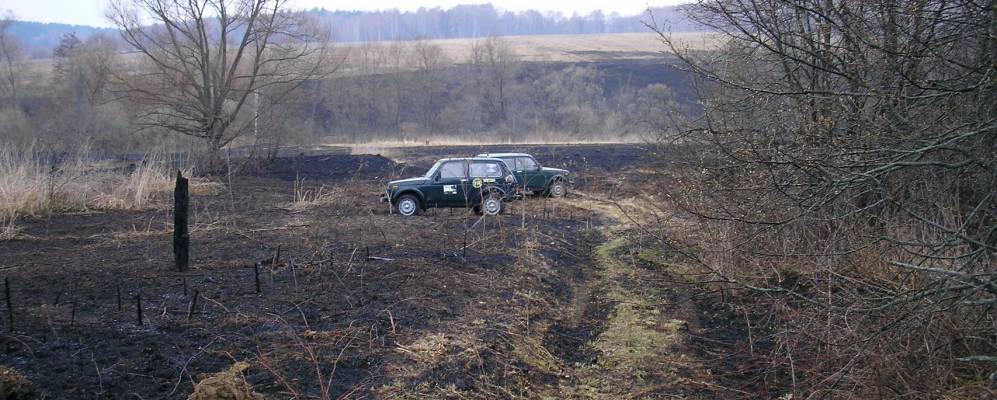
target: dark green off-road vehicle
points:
(532, 177)
(479, 183)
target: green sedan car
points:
(478, 183)
(534, 178)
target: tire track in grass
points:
(640, 351)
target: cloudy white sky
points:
(91, 12)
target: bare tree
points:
(429, 62)
(81, 72)
(847, 158)
(11, 59)
(205, 59)
(496, 64)
(85, 67)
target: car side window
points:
(486, 170)
(526, 163)
(452, 169)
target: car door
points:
(483, 175)
(447, 187)
(513, 166)
(532, 178)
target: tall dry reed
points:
(36, 182)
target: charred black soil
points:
(353, 302)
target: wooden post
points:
(181, 234)
(524, 215)
(256, 275)
(193, 304)
(10, 308)
(138, 308)
(294, 275)
(464, 249)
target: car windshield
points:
(432, 171)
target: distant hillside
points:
(40, 38)
(462, 21)
(576, 48)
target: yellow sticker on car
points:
(476, 183)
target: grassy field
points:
(582, 48)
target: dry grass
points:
(538, 48)
(336, 199)
(34, 182)
(389, 148)
(228, 384)
(581, 48)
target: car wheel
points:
(407, 205)
(557, 189)
(492, 205)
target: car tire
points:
(407, 205)
(492, 204)
(557, 189)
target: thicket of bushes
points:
(843, 178)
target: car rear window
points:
(486, 170)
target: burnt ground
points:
(353, 303)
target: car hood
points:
(409, 181)
(555, 170)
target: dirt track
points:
(537, 306)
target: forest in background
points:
(461, 21)
(480, 89)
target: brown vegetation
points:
(226, 385)
(842, 183)
(14, 386)
(35, 182)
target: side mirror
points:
(539, 167)
(509, 179)
(436, 177)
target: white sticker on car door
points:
(449, 189)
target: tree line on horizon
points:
(481, 20)
(39, 39)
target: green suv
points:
(532, 177)
(479, 183)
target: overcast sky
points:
(91, 12)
